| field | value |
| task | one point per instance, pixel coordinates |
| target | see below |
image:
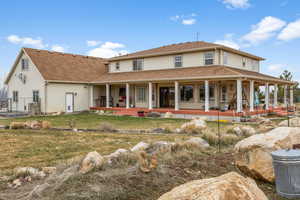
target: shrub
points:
(225, 139)
(192, 129)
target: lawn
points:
(92, 120)
(47, 148)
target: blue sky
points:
(269, 28)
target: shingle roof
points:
(183, 74)
(57, 66)
(180, 47)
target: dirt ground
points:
(126, 182)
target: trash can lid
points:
(286, 154)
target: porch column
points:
(291, 96)
(91, 96)
(267, 91)
(150, 101)
(285, 95)
(176, 95)
(251, 96)
(206, 105)
(127, 95)
(107, 95)
(275, 95)
(239, 97)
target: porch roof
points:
(187, 73)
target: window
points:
(223, 93)
(225, 58)
(178, 61)
(186, 93)
(202, 92)
(138, 64)
(141, 94)
(117, 66)
(15, 96)
(35, 96)
(25, 64)
(209, 58)
(244, 62)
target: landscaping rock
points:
(29, 171)
(168, 115)
(17, 125)
(91, 161)
(294, 122)
(252, 155)
(159, 146)
(35, 125)
(49, 170)
(16, 183)
(46, 125)
(230, 186)
(195, 126)
(140, 147)
(248, 131)
(153, 114)
(197, 141)
(237, 131)
(158, 130)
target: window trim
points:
(137, 67)
(117, 66)
(15, 96)
(24, 64)
(205, 58)
(175, 61)
(225, 57)
(183, 93)
(144, 98)
(34, 100)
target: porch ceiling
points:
(187, 74)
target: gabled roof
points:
(186, 73)
(63, 67)
(182, 48)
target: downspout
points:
(46, 97)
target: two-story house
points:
(195, 78)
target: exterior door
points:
(69, 102)
(166, 97)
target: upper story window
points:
(244, 60)
(24, 64)
(209, 58)
(138, 64)
(225, 58)
(117, 66)
(178, 61)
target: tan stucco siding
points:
(34, 81)
(191, 59)
(56, 96)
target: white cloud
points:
(276, 68)
(57, 48)
(264, 30)
(37, 43)
(189, 21)
(185, 19)
(108, 50)
(228, 43)
(291, 31)
(92, 43)
(233, 4)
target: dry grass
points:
(46, 148)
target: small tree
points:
(288, 76)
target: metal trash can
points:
(286, 165)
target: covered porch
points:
(223, 97)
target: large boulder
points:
(196, 125)
(140, 147)
(252, 155)
(231, 186)
(17, 125)
(197, 141)
(91, 161)
(293, 122)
